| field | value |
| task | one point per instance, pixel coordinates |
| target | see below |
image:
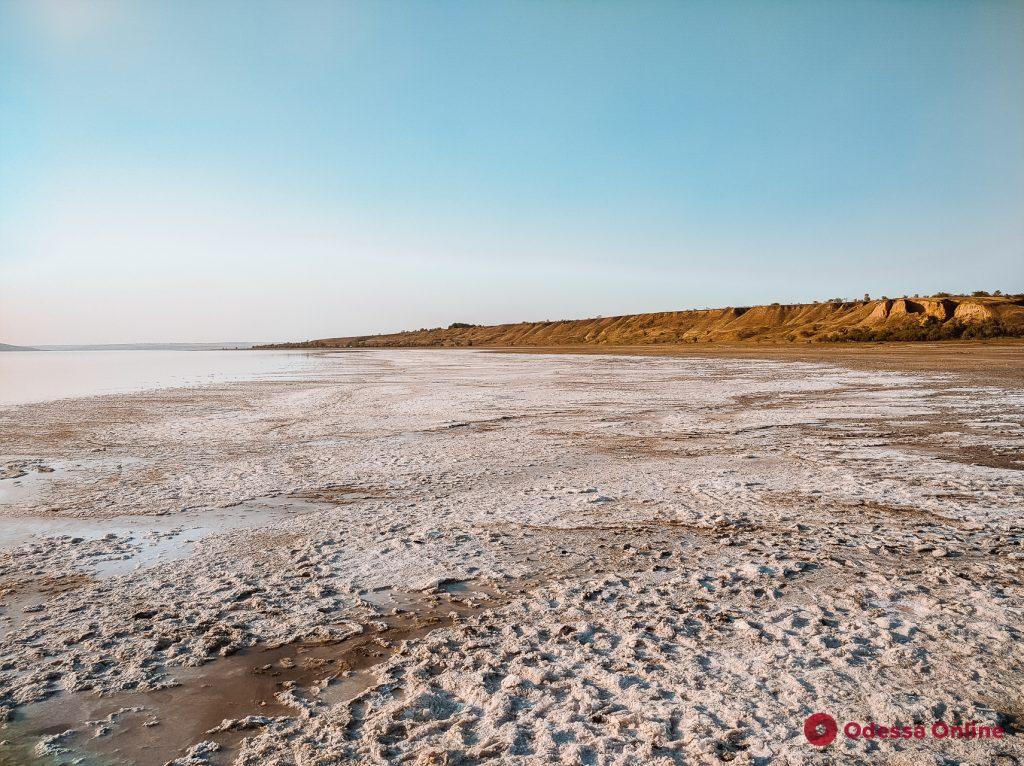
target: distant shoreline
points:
(935, 318)
(227, 346)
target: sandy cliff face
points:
(899, 319)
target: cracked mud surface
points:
(662, 560)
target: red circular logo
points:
(820, 729)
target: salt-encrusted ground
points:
(683, 558)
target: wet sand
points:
(478, 557)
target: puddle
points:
(151, 728)
(25, 483)
(154, 539)
(25, 480)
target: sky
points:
(206, 171)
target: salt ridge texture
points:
(724, 546)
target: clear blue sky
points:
(206, 170)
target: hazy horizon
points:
(249, 342)
(183, 172)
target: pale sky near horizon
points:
(206, 171)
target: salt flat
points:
(522, 559)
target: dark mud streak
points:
(244, 684)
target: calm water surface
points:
(39, 376)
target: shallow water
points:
(40, 376)
(24, 488)
(27, 480)
(159, 539)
